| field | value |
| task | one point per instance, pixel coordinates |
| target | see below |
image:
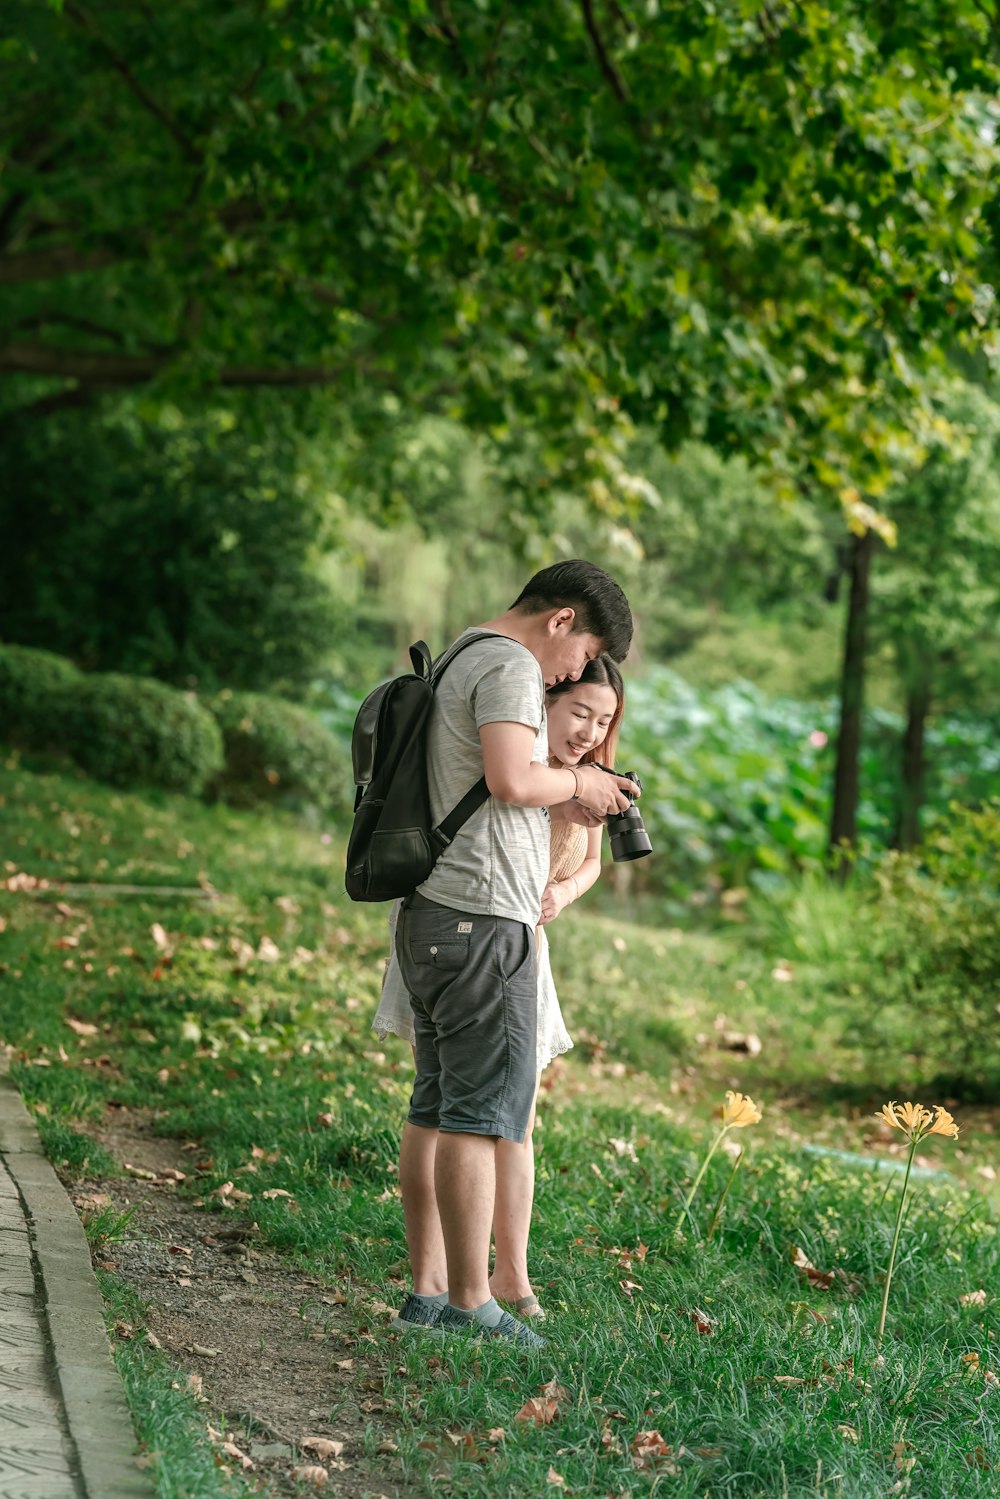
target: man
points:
(465, 941)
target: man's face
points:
(565, 654)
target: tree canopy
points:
(755, 224)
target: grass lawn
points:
(700, 1366)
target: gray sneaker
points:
(418, 1315)
(508, 1328)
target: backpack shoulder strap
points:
(473, 799)
(444, 661)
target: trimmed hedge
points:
(276, 751)
(134, 731)
(35, 687)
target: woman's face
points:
(579, 720)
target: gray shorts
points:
(473, 992)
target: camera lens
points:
(628, 838)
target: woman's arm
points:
(559, 894)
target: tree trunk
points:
(844, 814)
(918, 705)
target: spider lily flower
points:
(737, 1112)
(916, 1123)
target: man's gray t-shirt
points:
(498, 864)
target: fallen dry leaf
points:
(556, 1479)
(973, 1298)
(311, 1473)
(748, 1042)
(139, 1172)
(702, 1321)
(160, 937)
(902, 1463)
(553, 1390)
(324, 1447)
(541, 1411)
(977, 1459)
(229, 1195)
(205, 1352)
(822, 1279)
(82, 1027)
(649, 1450)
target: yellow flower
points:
(915, 1121)
(943, 1124)
(739, 1110)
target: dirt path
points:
(267, 1345)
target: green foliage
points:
(756, 227)
(75, 1153)
(928, 951)
(737, 784)
(278, 752)
(131, 731)
(170, 546)
(906, 959)
(34, 689)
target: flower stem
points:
(725, 1193)
(697, 1181)
(895, 1240)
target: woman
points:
(583, 719)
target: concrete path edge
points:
(97, 1413)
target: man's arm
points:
(512, 776)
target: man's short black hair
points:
(601, 606)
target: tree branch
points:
(68, 399)
(617, 83)
(128, 370)
(120, 64)
(491, 62)
(58, 260)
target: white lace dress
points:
(394, 1016)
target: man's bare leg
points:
(512, 1216)
(465, 1177)
(423, 1222)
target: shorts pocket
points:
(451, 953)
(516, 952)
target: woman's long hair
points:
(601, 672)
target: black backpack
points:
(393, 844)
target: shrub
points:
(932, 938)
(176, 545)
(908, 956)
(275, 751)
(134, 731)
(33, 691)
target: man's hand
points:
(555, 898)
(603, 794)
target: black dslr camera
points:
(629, 839)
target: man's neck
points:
(520, 627)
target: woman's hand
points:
(556, 896)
